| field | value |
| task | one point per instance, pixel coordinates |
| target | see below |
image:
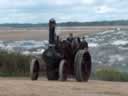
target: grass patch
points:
(111, 75)
(14, 64)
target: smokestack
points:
(52, 26)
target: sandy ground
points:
(42, 87)
(42, 33)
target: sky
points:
(40, 11)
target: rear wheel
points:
(63, 70)
(82, 65)
(34, 69)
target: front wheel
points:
(52, 72)
(82, 65)
(63, 70)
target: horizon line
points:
(66, 22)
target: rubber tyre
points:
(34, 69)
(82, 65)
(63, 70)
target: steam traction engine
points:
(63, 58)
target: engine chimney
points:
(52, 26)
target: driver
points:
(70, 38)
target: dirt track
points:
(26, 87)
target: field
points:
(42, 87)
(42, 33)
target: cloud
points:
(104, 9)
(87, 2)
(58, 2)
(34, 11)
(7, 4)
(68, 2)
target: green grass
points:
(111, 75)
(13, 64)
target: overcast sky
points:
(40, 11)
